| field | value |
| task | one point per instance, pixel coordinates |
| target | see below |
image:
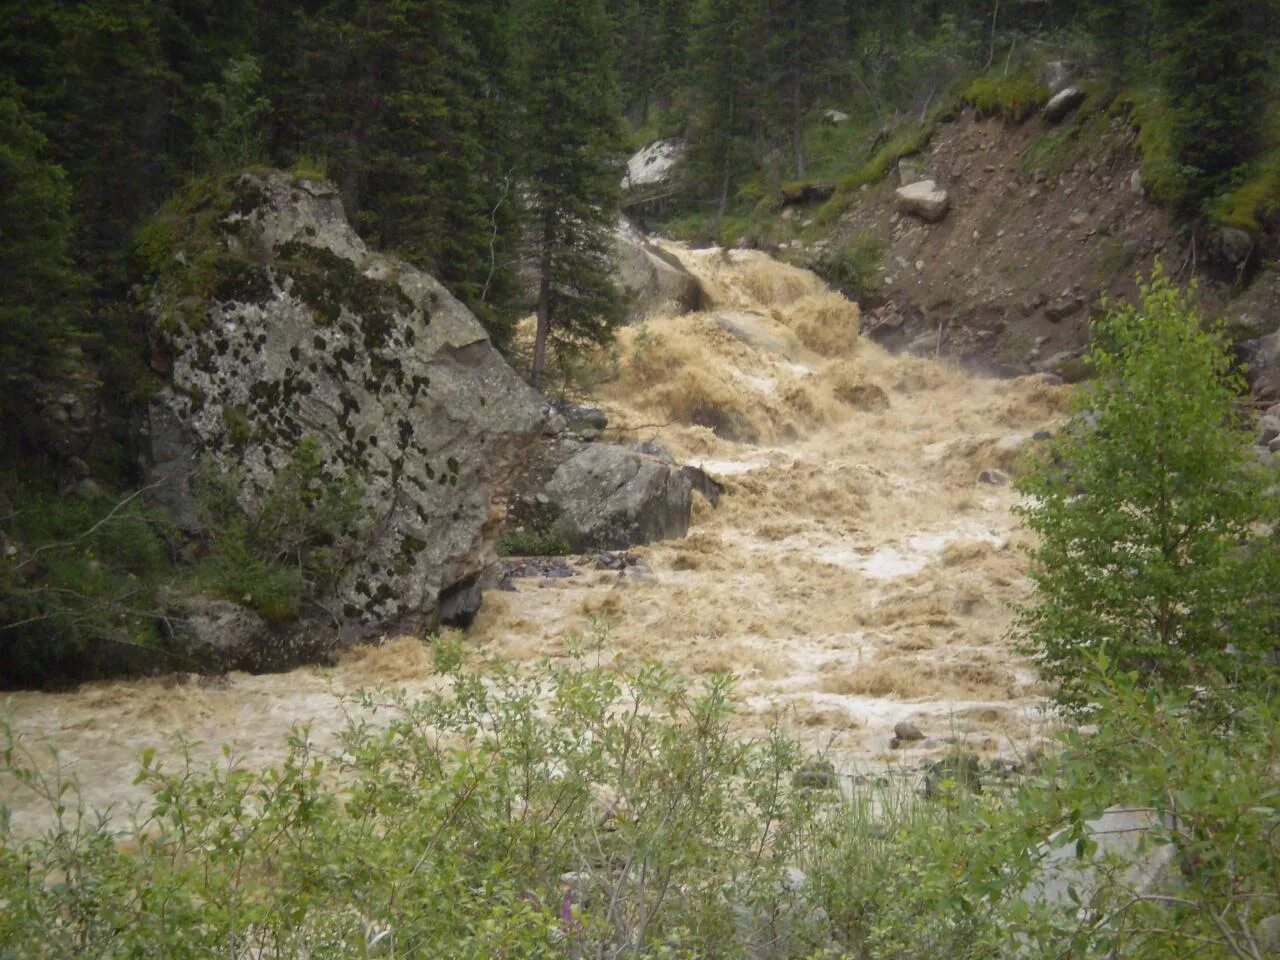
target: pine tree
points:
(653, 45)
(572, 170)
(408, 102)
(803, 56)
(1149, 517)
(39, 286)
(1214, 73)
(727, 92)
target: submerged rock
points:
(279, 326)
(653, 281)
(598, 496)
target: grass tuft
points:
(1013, 99)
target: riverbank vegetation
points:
(589, 812)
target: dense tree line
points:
(743, 80)
(447, 124)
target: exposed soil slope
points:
(1044, 220)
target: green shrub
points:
(1207, 780)
(531, 543)
(855, 268)
(293, 545)
(310, 167)
(583, 812)
(79, 581)
(575, 813)
(1011, 98)
(1148, 511)
(1254, 201)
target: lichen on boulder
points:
(273, 322)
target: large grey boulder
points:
(651, 172)
(599, 496)
(1127, 858)
(278, 325)
(610, 497)
(924, 199)
(653, 281)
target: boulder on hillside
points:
(651, 172)
(1062, 103)
(653, 281)
(279, 328)
(1261, 361)
(598, 496)
(924, 199)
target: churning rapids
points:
(856, 573)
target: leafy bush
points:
(1253, 202)
(292, 546)
(531, 543)
(1206, 781)
(577, 813)
(1011, 98)
(583, 812)
(1149, 510)
(855, 268)
(86, 582)
(79, 581)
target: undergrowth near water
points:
(579, 811)
(95, 585)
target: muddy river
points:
(856, 573)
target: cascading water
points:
(856, 573)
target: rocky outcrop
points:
(609, 497)
(653, 281)
(276, 325)
(587, 496)
(924, 199)
(651, 172)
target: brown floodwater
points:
(855, 574)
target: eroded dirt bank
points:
(856, 573)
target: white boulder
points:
(925, 199)
(651, 170)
